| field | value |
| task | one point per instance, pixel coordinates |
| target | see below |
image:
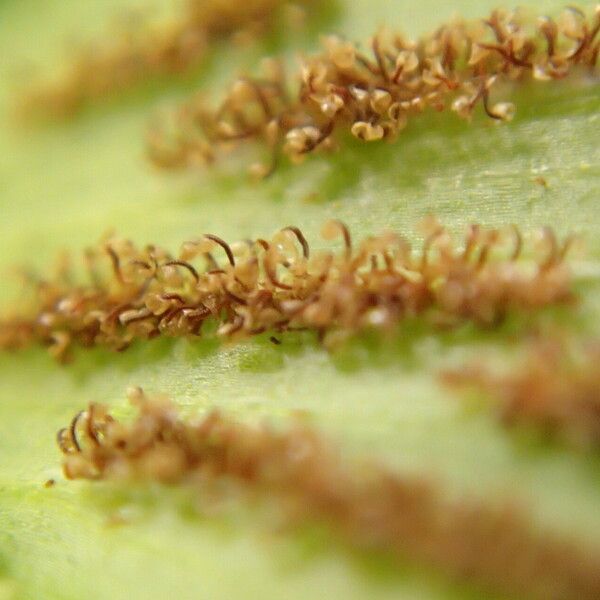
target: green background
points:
(64, 185)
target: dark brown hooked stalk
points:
(335, 227)
(495, 546)
(223, 245)
(116, 264)
(272, 286)
(185, 265)
(342, 90)
(300, 237)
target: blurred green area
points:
(63, 185)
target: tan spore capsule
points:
(279, 284)
(330, 104)
(367, 132)
(505, 111)
(406, 62)
(301, 139)
(374, 94)
(341, 53)
(380, 101)
(298, 470)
